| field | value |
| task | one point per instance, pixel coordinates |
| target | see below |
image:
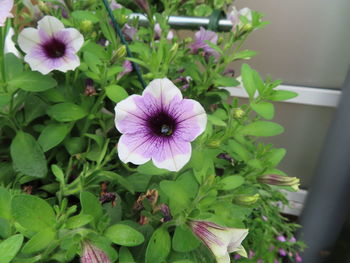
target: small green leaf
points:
(216, 121)
(125, 255)
(231, 182)
(52, 135)
(248, 80)
(179, 199)
(116, 93)
(120, 180)
(39, 241)
(5, 203)
(78, 221)
(27, 155)
(10, 247)
(281, 95)
(32, 81)
(226, 82)
(32, 212)
(262, 128)
(264, 109)
(66, 111)
(85, 15)
(275, 156)
(124, 235)
(184, 240)
(90, 205)
(245, 54)
(159, 246)
(149, 169)
(57, 171)
(239, 149)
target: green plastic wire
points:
(124, 42)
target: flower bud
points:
(43, 7)
(214, 143)
(166, 213)
(220, 40)
(280, 180)
(246, 200)
(89, 89)
(121, 52)
(143, 4)
(86, 26)
(238, 113)
(92, 254)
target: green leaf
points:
(124, 235)
(245, 54)
(74, 145)
(149, 169)
(240, 150)
(53, 135)
(120, 180)
(32, 213)
(10, 247)
(275, 156)
(39, 241)
(27, 155)
(4, 100)
(13, 66)
(125, 256)
(159, 246)
(116, 93)
(231, 182)
(5, 203)
(226, 82)
(281, 95)
(216, 121)
(262, 128)
(184, 240)
(32, 81)
(248, 80)
(78, 221)
(179, 199)
(66, 111)
(85, 15)
(259, 83)
(57, 171)
(264, 109)
(90, 205)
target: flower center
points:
(54, 48)
(162, 124)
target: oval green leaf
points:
(116, 93)
(159, 246)
(52, 135)
(262, 128)
(124, 235)
(32, 81)
(10, 247)
(66, 111)
(231, 182)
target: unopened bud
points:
(188, 40)
(280, 180)
(121, 52)
(174, 48)
(246, 200)
(220, 40)
(43, 7)
(214, 143)
(92, 254)
(238, 113)
(247, 28)
(86, 26)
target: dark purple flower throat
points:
(54, 48)
(162, 124)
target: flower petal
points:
(28, 39)
(50, 25)
(241, 251)
(10, 45)
(172, 154)
(237, 237)
(163, 89)
(191, 119)
(76, 39)
(37, 63)
(223, 259)
(128, 116)
(132, 148)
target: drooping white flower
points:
(51, 46)
(220, 240)
(158, 125)
(5, 10)
(10, 45)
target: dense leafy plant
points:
(211, 184)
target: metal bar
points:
(184, 22)
(327, 204)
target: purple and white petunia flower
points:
(200, 43)
(158, 125)
(5, 10)
(129, 32)
(220, 240)
(51, 46)
(92, 254)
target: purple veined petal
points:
(50, 25)
(135, 148)
(5, 11)
(163, 89)
(73, 38)
(172, 154)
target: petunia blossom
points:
(234, 16)
(5, 10)
(220, 240)
(280, 180)
(51, 46)
(92, 254)
(200, 43)
(158, 125)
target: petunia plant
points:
(120, 143)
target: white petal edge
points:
(126, 154)
(69, 64)
(28, 39)
(50, 25)
(37, 64)
(237, 237)
(223, 259)
(241, 251)
(163, 89)
(176, 162)
(76, 38)
(10, 45)
(123, 109)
